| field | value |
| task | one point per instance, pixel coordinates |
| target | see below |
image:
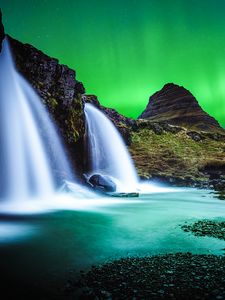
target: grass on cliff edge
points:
(176, 155)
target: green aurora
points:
(125, 50)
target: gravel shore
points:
(207, 228)
(170, 276)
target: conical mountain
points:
(177, 106)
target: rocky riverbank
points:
(170, 276)
(210, 228)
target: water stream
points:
(107, 151)
(42, 252)
(32, 160)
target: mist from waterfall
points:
(32, 159)
(107, 152)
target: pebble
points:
(209, 228)
(194, 277)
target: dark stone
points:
(157, 127)
(102, 183)
(79, 87)
(187, 181)
(214, 169)
(92, 99)
(196, 136)
(171, 128)
(168, 276)
(219, 185)
(177, 106)
(124, 195)
(2, 32)
(215, 136)
(205, 227)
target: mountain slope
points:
(177, 106)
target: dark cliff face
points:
(58, 89)
(2, 33)
(177, 106)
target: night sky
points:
(125, 50)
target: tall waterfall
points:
(107, 151)
(31, 155)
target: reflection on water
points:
(97, 229)
(11, 232)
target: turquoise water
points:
(41, 251)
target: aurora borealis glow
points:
(125, 50)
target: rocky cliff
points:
(57, 86)
(59, 90)
(177, 106)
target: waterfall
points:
(32, 159)
(107, 151)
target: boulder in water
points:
(102, 183)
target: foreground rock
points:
(177, 106)
(210, 228)
(102, 183)
(171, 276)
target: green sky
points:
(125, 50)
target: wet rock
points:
(170, 276)
(92, 99)
(210, 228)
(195, 136)
(102, 183)
(214, 168)
(218, 184)
(215, 136)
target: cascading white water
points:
(107, 151)
(30, 151)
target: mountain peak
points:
(177, 106)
